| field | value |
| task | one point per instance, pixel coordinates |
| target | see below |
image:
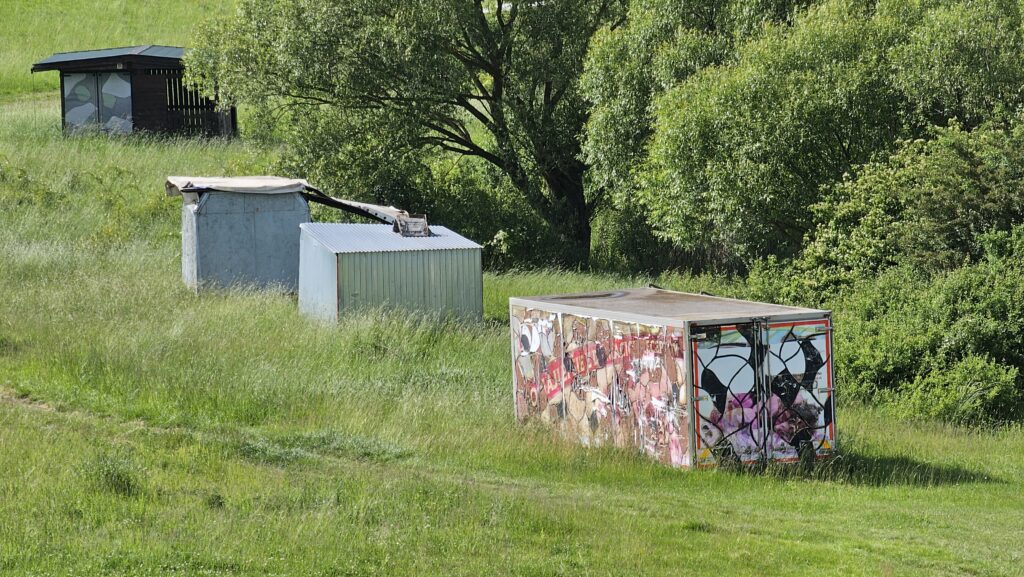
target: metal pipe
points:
(401, 221)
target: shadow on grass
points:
(496, 321)
(853, 468)
(852, 465)
(308, 447)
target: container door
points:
(800, 405)
(537, 365)
(729, 383)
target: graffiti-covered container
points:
(690, 380)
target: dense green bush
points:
(646, 127)
(739, 151)
(926, 206)
(943, 345)
(963, 61)
(728, 125)
(662, 44)
(972, 390)
(625, 242)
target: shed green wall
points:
(429, 280)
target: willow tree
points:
(366, 85)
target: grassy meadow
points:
(35, 29)
(148, 431)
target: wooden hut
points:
(133, 89)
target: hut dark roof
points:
(146, 55)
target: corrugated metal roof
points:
(664, 304)
(350, 238)
(147, 50)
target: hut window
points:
(98, 99)
(81, 100)
(115, 102)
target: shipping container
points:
(240, 231)
(350, 266)
(690, 380)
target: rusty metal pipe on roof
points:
(402, 222)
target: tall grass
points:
(145, 430)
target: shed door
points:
(98, 98)
(115, 91)
(800, 407)
(729, 383)
(81, 100)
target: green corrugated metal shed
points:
(352, 266)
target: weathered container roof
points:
(175, 185)
(342, 238)
(661, 305)
(147, 53)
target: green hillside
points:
(148, 431)
(32, 30)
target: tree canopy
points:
(857, 155)
(368, 87)
(738, 124)
(713, 126)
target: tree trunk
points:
(570, 214)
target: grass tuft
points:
(118, 472)
(699, 527)
(215, 501)
(262, 450)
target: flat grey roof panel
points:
(146, 50)
(175, 52)
(342, 238)
(666, 305)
